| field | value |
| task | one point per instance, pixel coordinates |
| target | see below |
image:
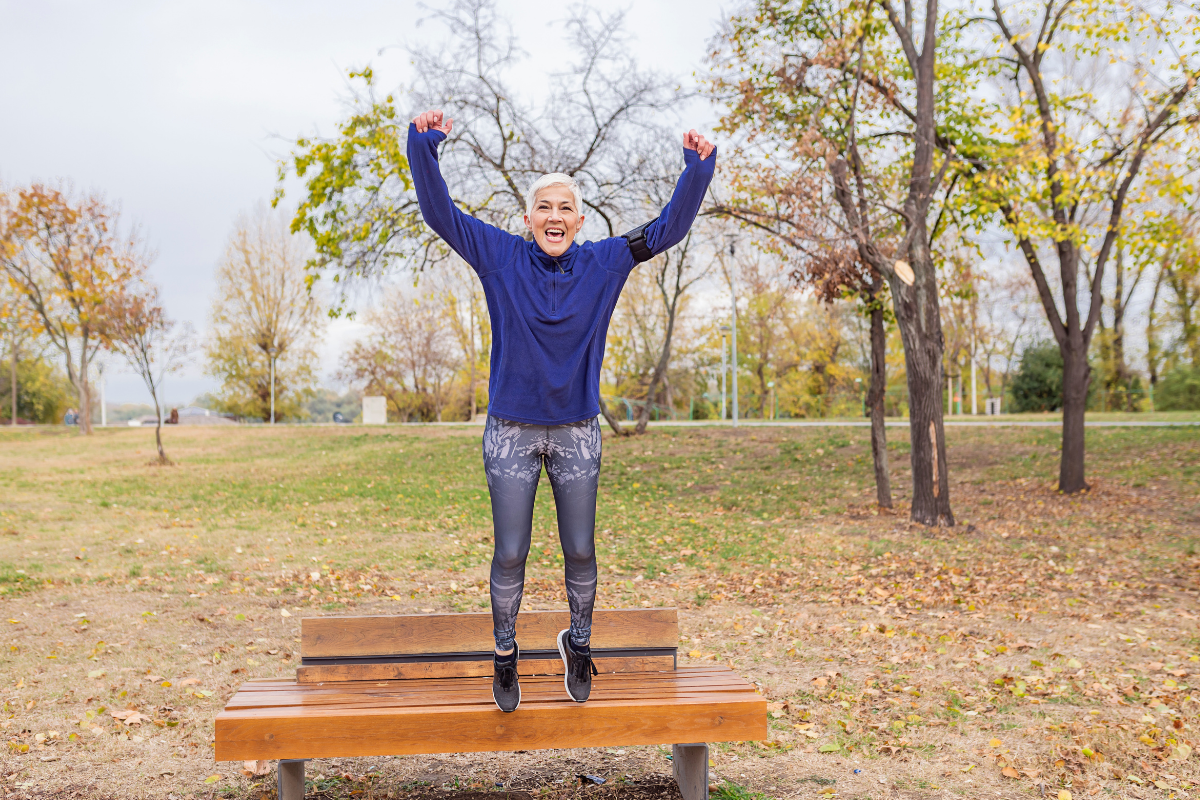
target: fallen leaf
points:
(96, 673)
(994, 743)
(189, 682)
(283, 612)
(254, 769)
(1181, 752)
(130, 716)
(1009, 772)
(1063, 794)
(212, 778)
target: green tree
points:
(1038, 384)
(1088, 93)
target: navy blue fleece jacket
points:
(549, 315)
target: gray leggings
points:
(513, 455)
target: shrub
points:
(1038, 384)
(1179, 390)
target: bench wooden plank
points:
(472, 691)
(470, 669)
(405, 634)
(342, 733)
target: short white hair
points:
(553, 179)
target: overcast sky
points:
(178, 111)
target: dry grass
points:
(1054, 637)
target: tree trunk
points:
(920, 324)
(875, 402)
(14, 381)
(609, 417)
(1152, 346)
(1076, 378)
(656, 378)
(162, 456)
(85, 394)
(471, 311)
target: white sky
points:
(178, 111)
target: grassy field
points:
(1045, 643)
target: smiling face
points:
(555, 219)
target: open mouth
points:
(555, 235)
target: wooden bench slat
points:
(471, 686)
(334, 733)
(407, 634)
(479, 691)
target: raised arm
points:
(677, 216)
(480, 245)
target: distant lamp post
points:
(733, 324)
(771, 386)
(271, 356)
(862, 397)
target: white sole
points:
(566, 667)
(497, 702)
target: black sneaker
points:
(579, 669)
(506, 689)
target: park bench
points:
(422, 684)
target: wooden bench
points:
(422, 684)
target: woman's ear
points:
(579, 224)
(528, 224)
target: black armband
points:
(636, 239)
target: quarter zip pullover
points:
(549, 315)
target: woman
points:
(550, 302)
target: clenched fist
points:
(434, 120)
(697, 142)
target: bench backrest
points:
(396, 647)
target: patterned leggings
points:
(513, 455)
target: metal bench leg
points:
(691, 770)
(291, 779)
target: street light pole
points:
(974, 409)
(272, 386)
(103, 401)
(724, 370)
(733, 305)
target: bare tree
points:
(409, 355)
(262, 305)
(601, 124)
(849, 88)
(140, 332)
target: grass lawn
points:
(1045, 643)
